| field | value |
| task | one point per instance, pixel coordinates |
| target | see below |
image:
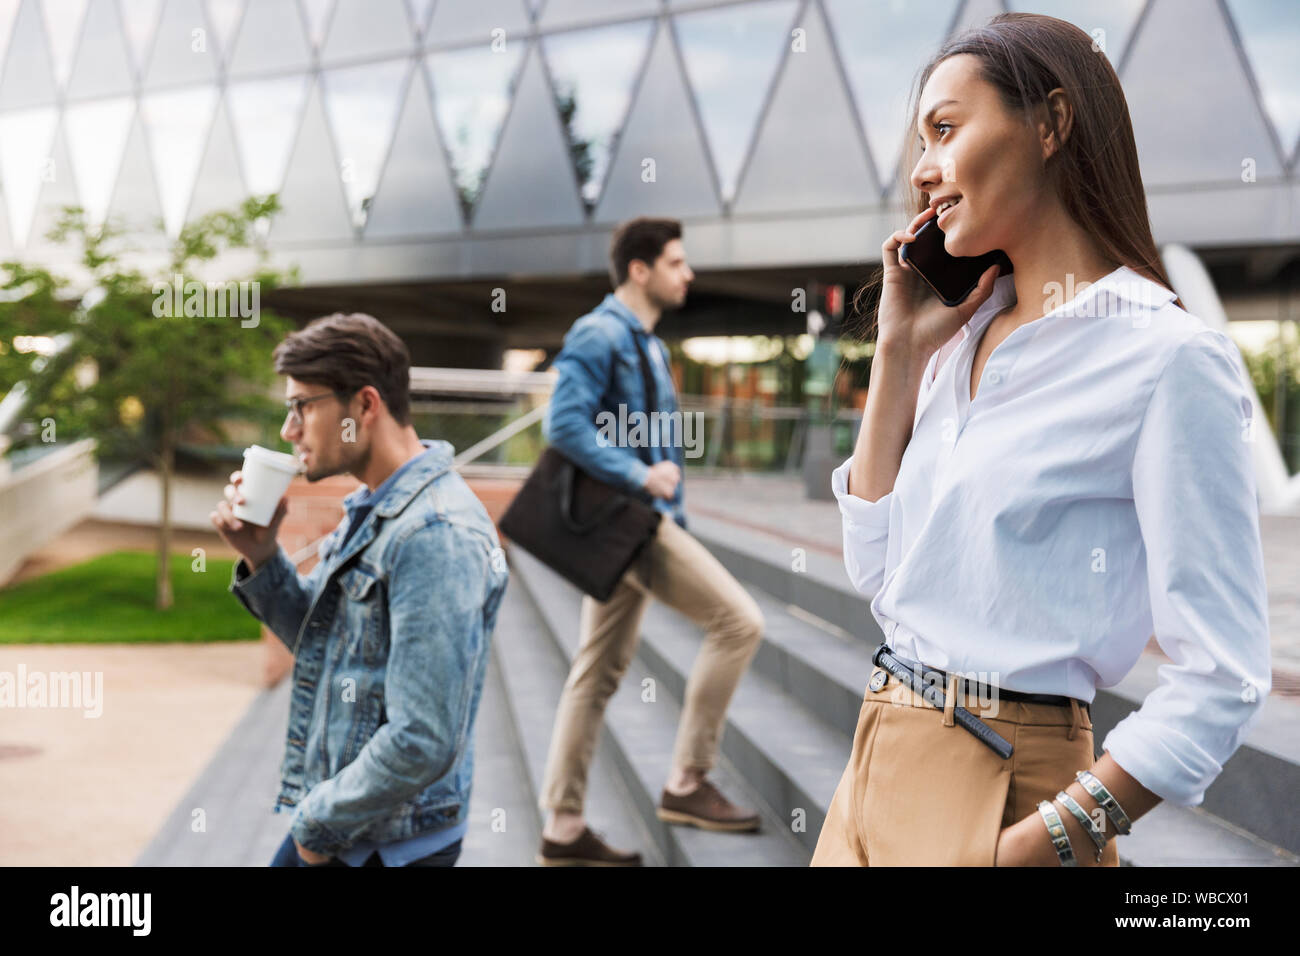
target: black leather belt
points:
(977, 689)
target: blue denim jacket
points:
(390, 634)
(599, 370)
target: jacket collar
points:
(435, 461)
(612, 304)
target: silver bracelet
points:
(1056, 830)
(1108, 803)
(1085, 821)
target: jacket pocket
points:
(364, 610)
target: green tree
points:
(143, 367)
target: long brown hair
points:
(1095, 172)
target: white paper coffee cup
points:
(267, 475)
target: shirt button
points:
(995, 377)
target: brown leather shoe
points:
(587, 850)
(707, 808)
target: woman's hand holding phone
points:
(909, 317)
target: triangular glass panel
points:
(472, 90)
(592, 75)
(140, 19)
(26, 163)
(135, 195)
(1207, 125)
(218, 185)
(660, 166)
(28, 76)
(1269, 32)
(367, 28)
(462, 21)
(8, 12)
(58, 191)
(415, 196)
(882, 46)
(822, 146)
(177, 123)
(1108, 22)
(63, 26)
(420, 10)
(731, 55)
(363, 103)
(270, 40)
(976, 13)
(225, 16)
(266, 115)
(183, 51)
(101, 67)
(530, 183)
(97, 134)
(317, 14)
(580, 13)
(314, 207)
(6, 243)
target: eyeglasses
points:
(295, 405)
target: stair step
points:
(643, 735)
(791, 756)
(503, 829)
(820, 586)
(534, 673)
(1188, 836)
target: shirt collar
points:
(396, 491)
(1121, 292)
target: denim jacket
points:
(599, 370)
(390, 637)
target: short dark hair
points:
(348, 352)
(643, 239)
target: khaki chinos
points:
(679, 571)
(921, 790)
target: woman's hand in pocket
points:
(1026, 843)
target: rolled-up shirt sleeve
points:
(866, 533)
(1194, 491)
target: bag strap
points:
(647, 377)
(568, 474)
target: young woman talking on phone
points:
(1046, 475)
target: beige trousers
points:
(920, 790)
(679, 571)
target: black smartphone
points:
(951, 278)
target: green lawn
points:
(110, 599)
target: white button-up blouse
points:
(1100, 487)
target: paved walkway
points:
(79, 790)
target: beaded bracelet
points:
(1056, 830)
(1085, 821)
(1108, 803)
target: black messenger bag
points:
(587, 531)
